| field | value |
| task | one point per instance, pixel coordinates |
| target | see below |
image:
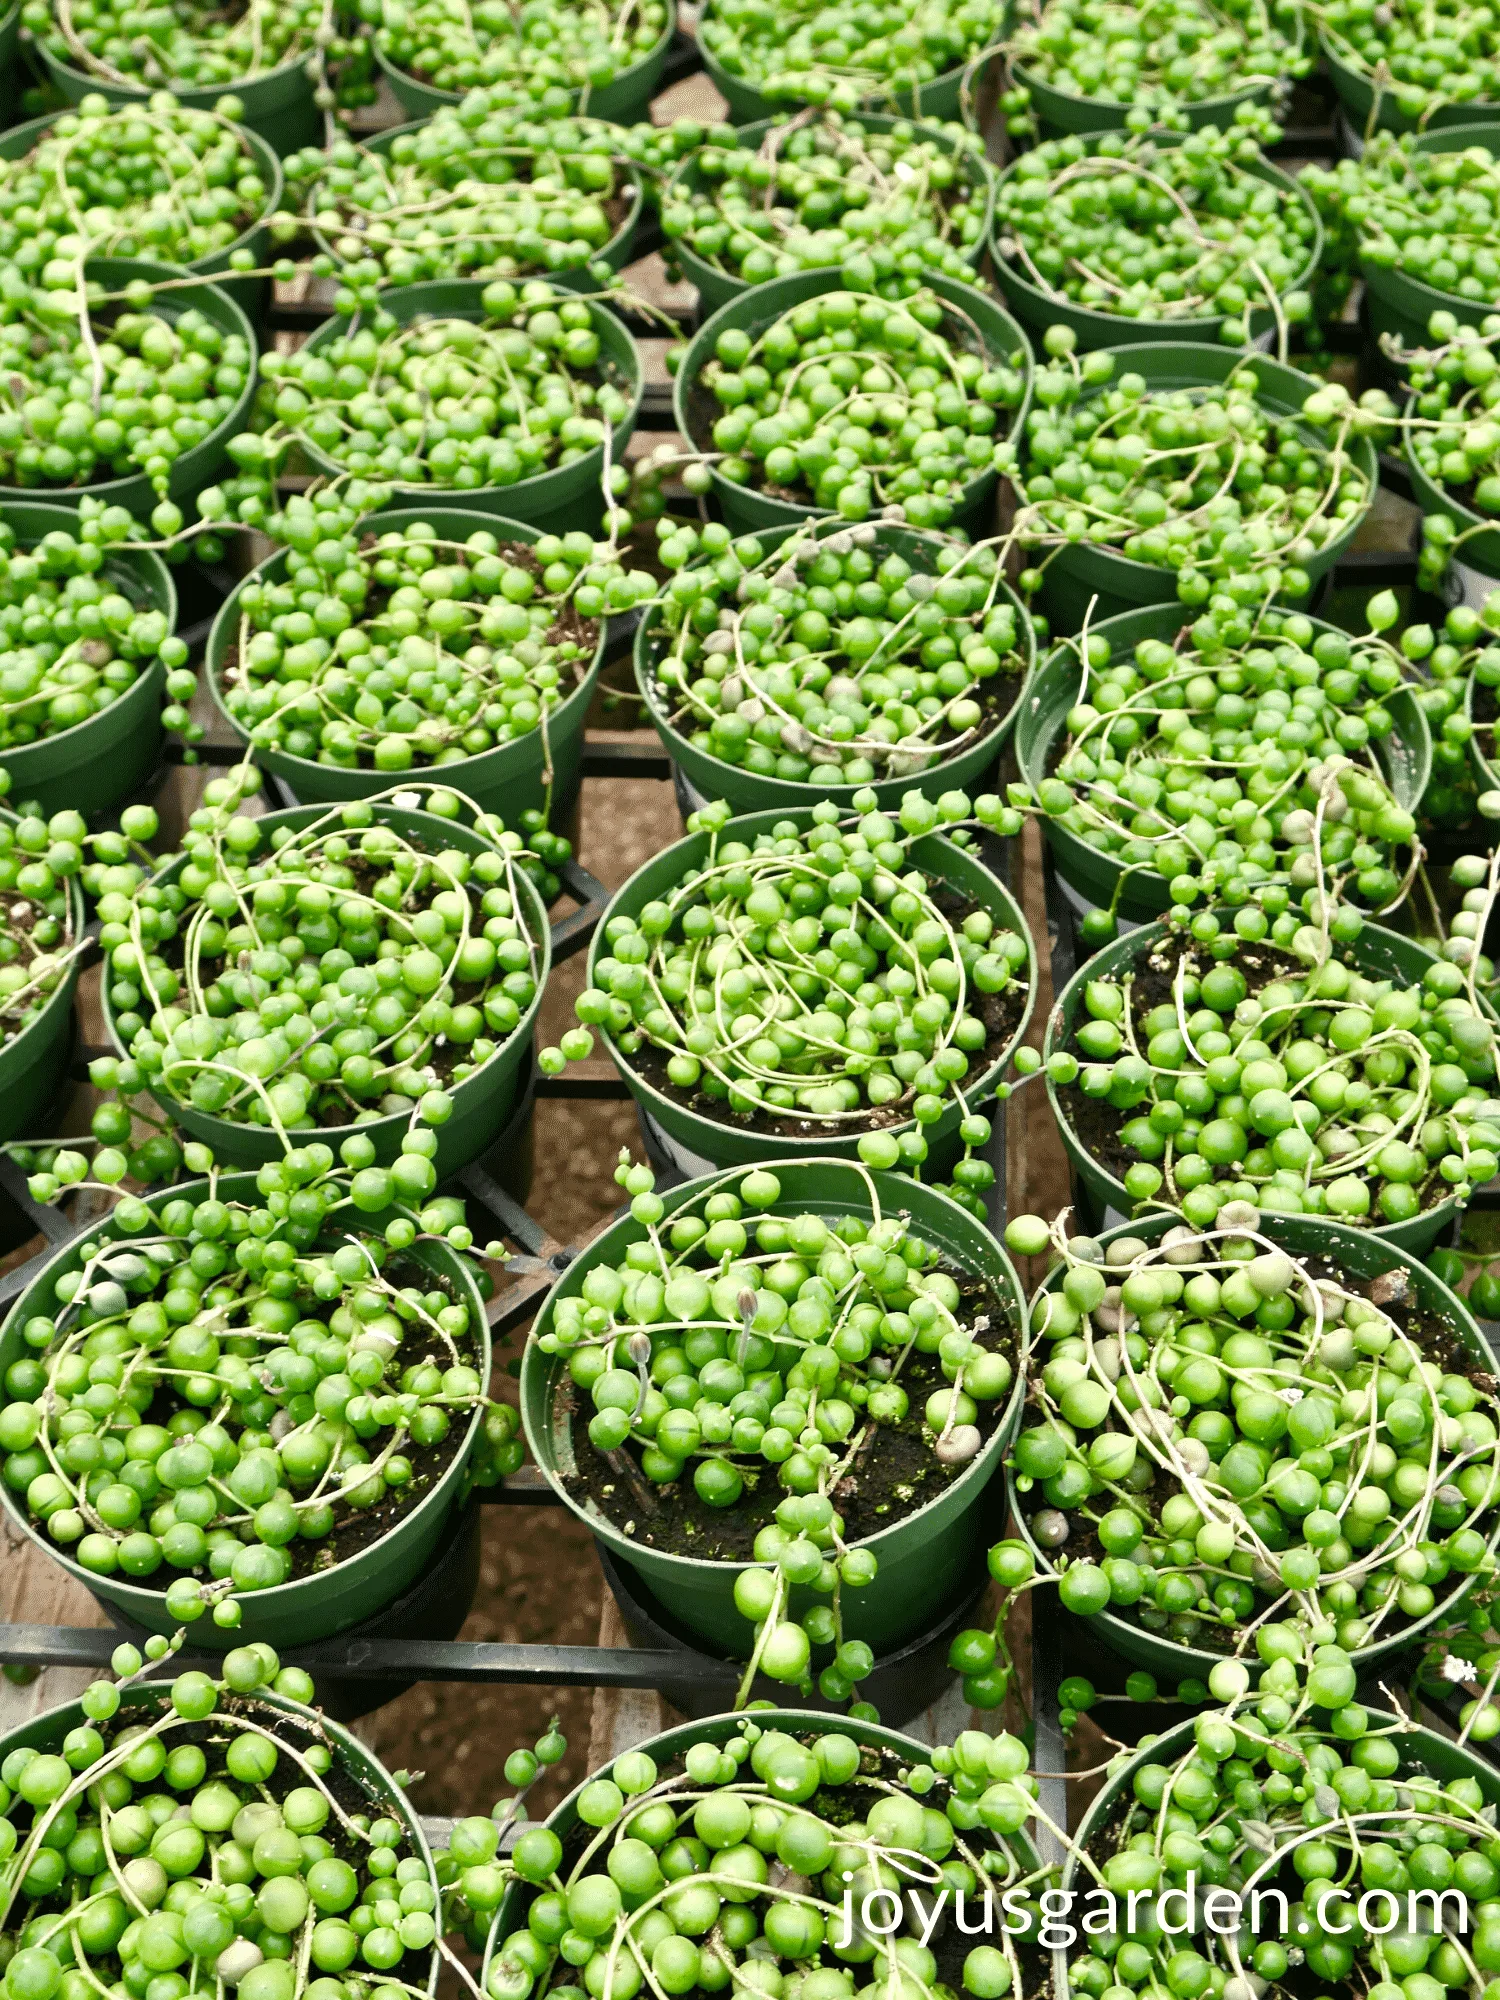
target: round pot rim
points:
(108, 490)
(282, 1599)
(1183, 354)
(945, 80)
(1436, 140)
(902, 1192)
(669, 1743)
(1223, 102)
(185, 92)
(1172, 1741)
(1144, 938)
(266, 159)
(795, 788)
(820, 1722)
(1103, 322)
(1341, 1236)
(752, 136)
(829, 278)
(1385, 94)
(529, 492)
(352, 1752)
(775, 1146)
(1047, 733)
(67, 521)
(394, 517)
(657, 48)
(470, 1086)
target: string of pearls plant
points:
(1230, 1441)
(319, 978)
(785, 685)
(815, 975)
(733, 1344)
(1244, 763)
(274, 1868)
(221, 1387)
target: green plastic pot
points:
(98, 762)
(1365, 1254)
(351, 1758)
(1061, 111)
(1053, 693)
(624, 101)
(616, 253)
(507, 780)
(924, 1560)
(1377, 952)
(1037, 309)
(748, 103)
(10, 65)
(278, 105)
(310, 1607)
(716, 288)
(748, 511)
(1418, 1746)
(192, 471)
(1083, 572)
(1487, 769)
(481, 1103)
(251, 293)
(1401, 305)
(1357, 94)
(746, 792)
(34, 1062)
(726, 1142)
(551, 502)
(1482, 551)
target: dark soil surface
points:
(1000, 1013)
(893, 1473)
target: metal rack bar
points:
(591, 1082)
(49, 1222)
(517, 1665)
(571, 933)
(1049, 1757)
(625, 760)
